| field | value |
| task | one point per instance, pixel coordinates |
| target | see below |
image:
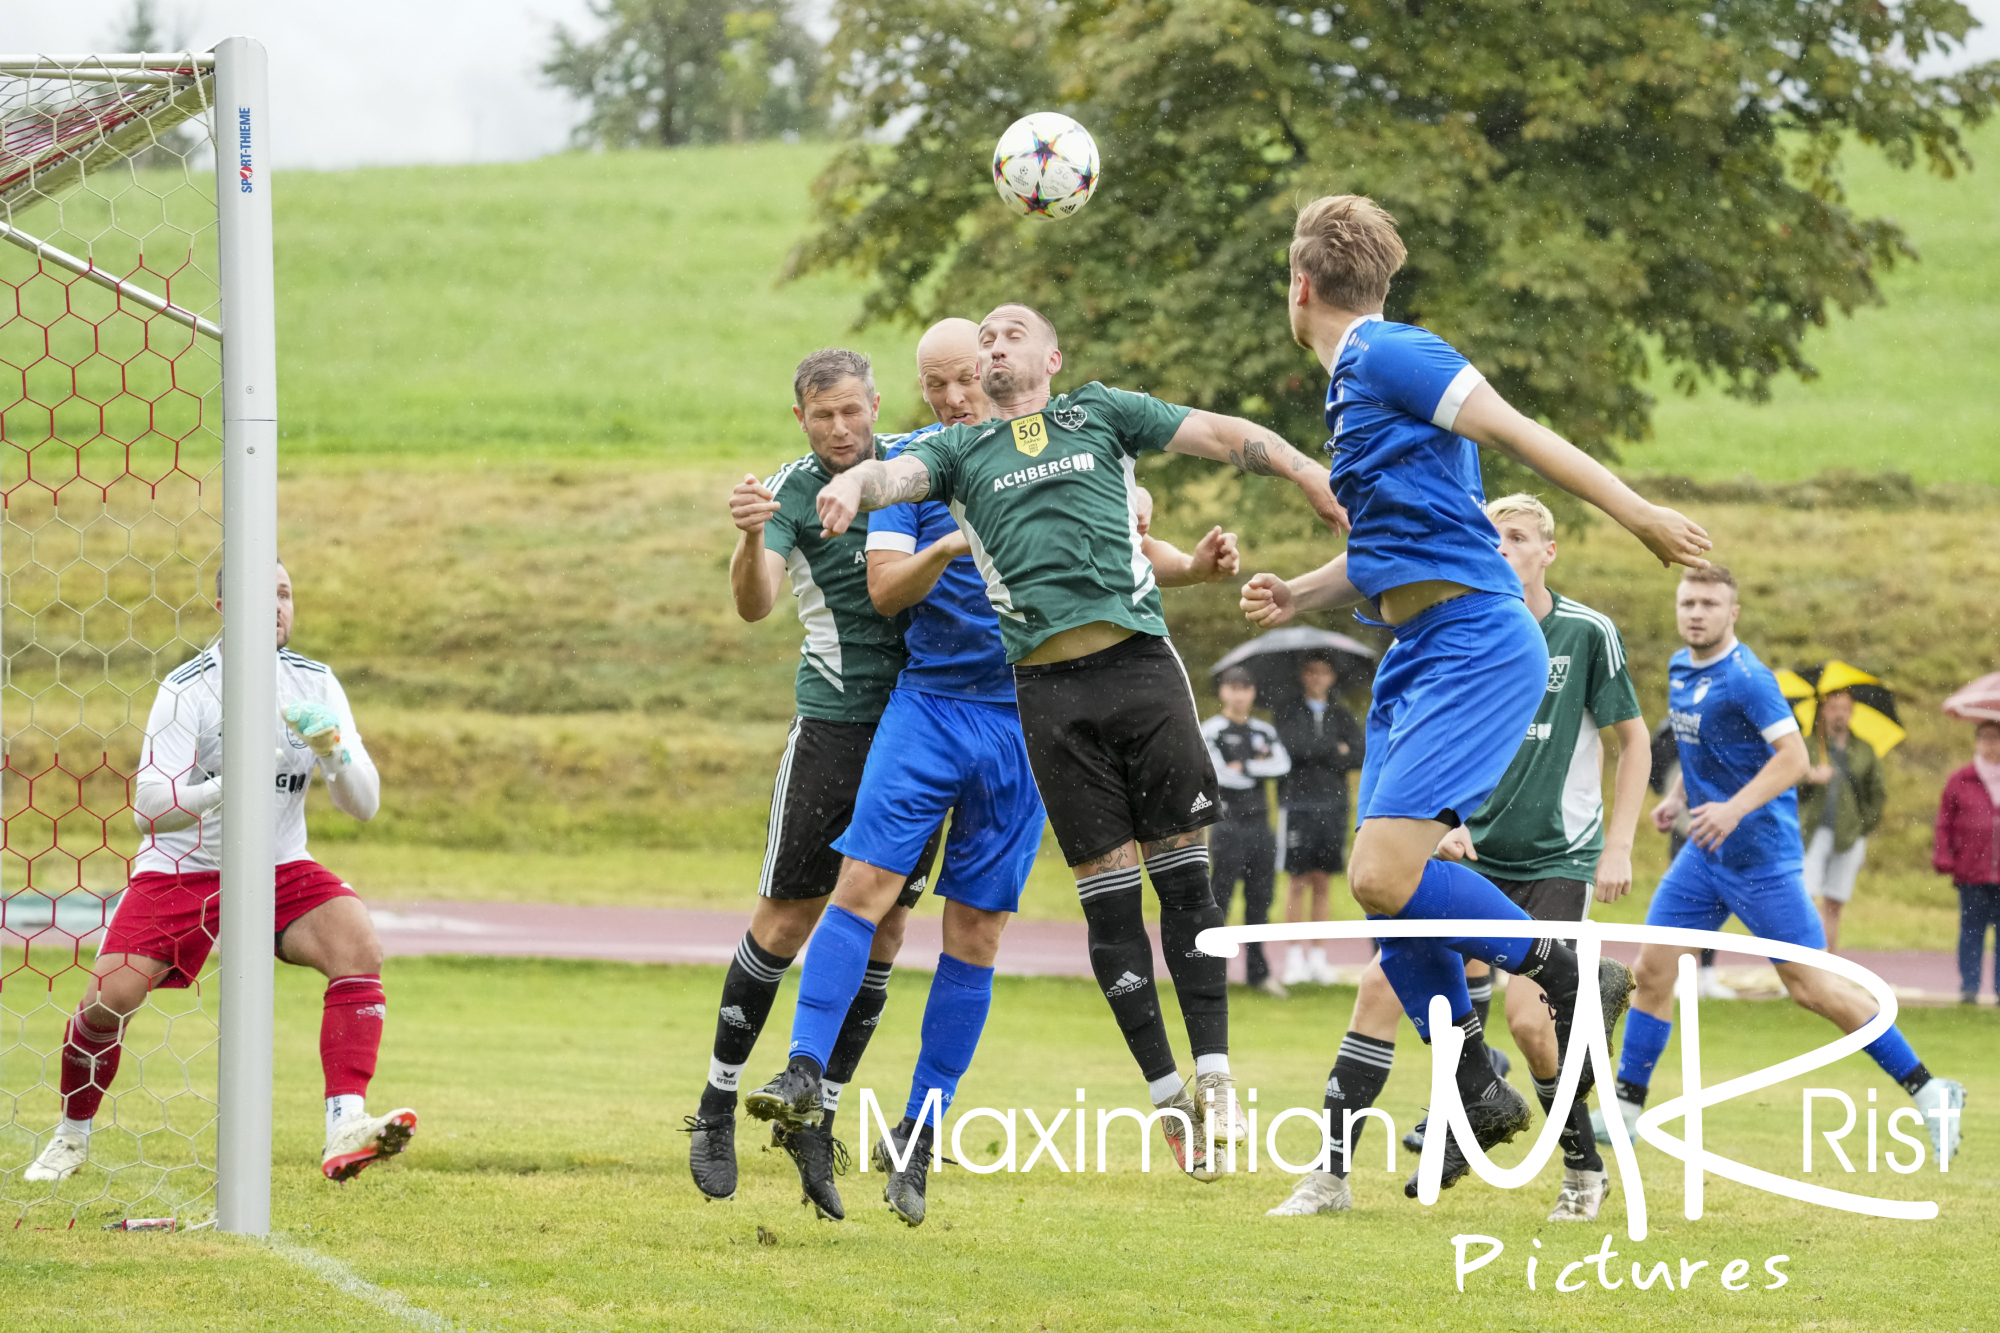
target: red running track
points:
(1029, 948)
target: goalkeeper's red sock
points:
(89, 1063)
(350, 1033)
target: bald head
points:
(948, 372)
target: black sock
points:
(1359, 1072)
(1201, 980)
(1482, 997)
(1634, 1093)
(862, 1017)
(1916, 1078)
(1551, 964)
(1121, 957)
(748, 990)
(1579, 1142)
(1475, 1065)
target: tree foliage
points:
(668, 72)
(1588, 189)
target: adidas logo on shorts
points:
(1126, 984)
(1201, 803)
(732, 1014)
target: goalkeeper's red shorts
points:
(174, 918)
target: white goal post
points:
(75, 131)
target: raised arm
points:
(1270, 601)
(756, 572)
(1213, 559)
(1252, 448)
(898, 580)
(1487, 418)
(869, 486)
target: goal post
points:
(137, 371)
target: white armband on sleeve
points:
(1455, 394)
(890, 541)
(1784, 726)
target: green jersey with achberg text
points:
(852, 653)
(1546, 818)
(1048, 503)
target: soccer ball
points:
(1045, 166)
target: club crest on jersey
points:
(1070, 418)
(1558, 674)
(1031, 434)
(1700, 690)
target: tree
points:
(669, 72)
(1587, 189)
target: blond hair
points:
(1348, 246)
(1521, 504)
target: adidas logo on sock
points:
(1201, 803)
(732, 1014)
(1333, 1088)
(1126, 984)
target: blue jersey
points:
(1410, 486)
(954, 634)
(1727, 714)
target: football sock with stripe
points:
(836, 963)
(1449, 891)
(748, 990)
(1645, 1041)
(1359, 1072)
(1201, 980)
(1121, 958)
(89, 1063)
(350, 1033)
(954, 1016)
(863, 1015)
(1475, 1062)
(1481, 990)
(1579, 1143)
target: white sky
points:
(374, 82)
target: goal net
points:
(111, 470)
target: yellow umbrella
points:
(1875, 719)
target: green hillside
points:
(625, 305)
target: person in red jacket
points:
(1968, 849)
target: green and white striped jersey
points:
(852, 653)
(1546, 818)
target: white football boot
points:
(1940, 1094)
(1296, 972)
(1219, 1090)
(1582, 1195)
(360, 1141)
(59, 1157)
(1316, 1192)
(1631, 1111)
(1190, 1150)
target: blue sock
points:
(836, 961)
(1645, 1040)
(1450, 891)
(954, 1017)
(1892, 1051)
(1419, 969)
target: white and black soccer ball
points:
(1045, 165)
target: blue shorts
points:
(1453, 699)
(1698, 893)
(934, 754)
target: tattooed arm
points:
(871, 485)
(1249, 447)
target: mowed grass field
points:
(547, 1189)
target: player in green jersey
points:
(1542, 837)
(1046, 496)
(848, 664)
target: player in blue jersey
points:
(1741, 756)
(1456, 692)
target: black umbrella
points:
(1274, 660)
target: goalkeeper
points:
(166, 921)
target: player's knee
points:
(888, 940)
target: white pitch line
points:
(335, 1273)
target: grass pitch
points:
(547, 1190)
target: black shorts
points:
(812, 803)
(1243, 850)
(1315, 838)
(1551, 899)
(1116, 747)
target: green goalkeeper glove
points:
(315, 724)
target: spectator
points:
(1666, 771)
(1324, 742)
(1968, 849)
(1245, 751)
(1840, 803)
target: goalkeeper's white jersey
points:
(184, 746)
